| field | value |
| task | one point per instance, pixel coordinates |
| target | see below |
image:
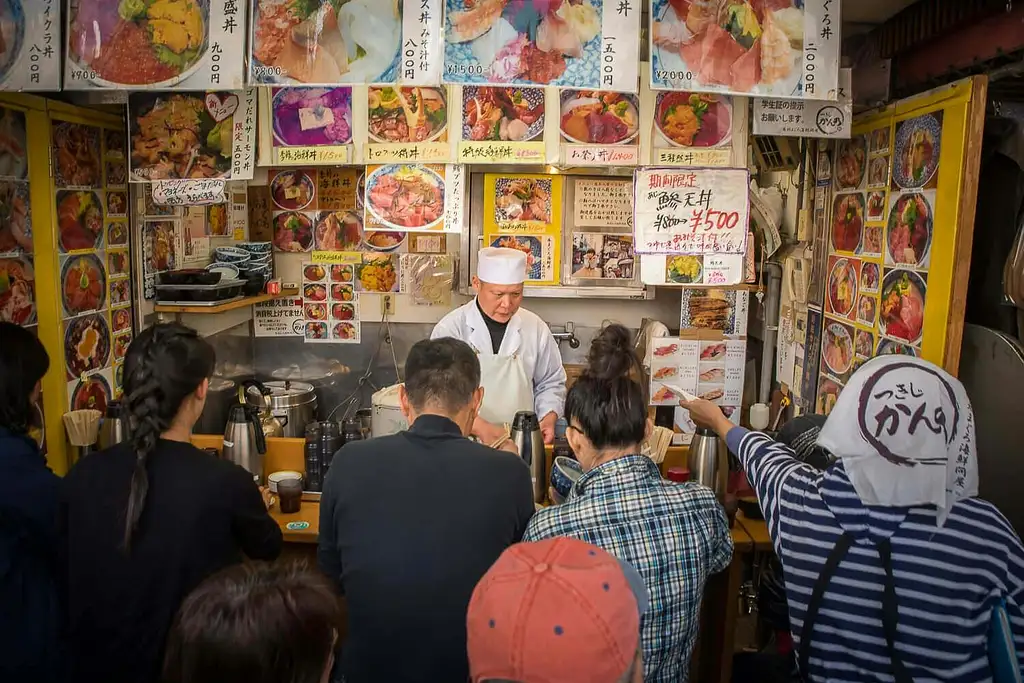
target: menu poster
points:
(712, 269)
(810, 118)
(408, 124)
(501, 125)
(330, 304)
(160, 252)
(185, 135)
(111, 44)
(691, 211)
(601, 256)
(720, 310)
(294, 202)
(406, 198)
(880, 246)
(599, 128)
(258, 197)
(525, 212)
(586, 44)
(279, 318)
(711, 369)
(602, 203)
(324, 42)
(18, 298)
(311, 126)
(786, 48)
(30, 59)
(693, 129)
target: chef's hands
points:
(268, 497)
(547, 427)
(486, 432)
(708, 414)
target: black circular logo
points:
(830, 120)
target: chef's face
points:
(498, 302)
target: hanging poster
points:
(782, 48)
(694, 129)
(16, 221)
(324, 42)
(30, 45)
(602, 203)
(718, 310)
(155, 44)
(891, 246)
(809, 118)
(602, 256)
(311, 126)
(568, 43)
(407, 124)
(599, 128)
(406, 198)
(279, 318)
(330, 309)
(185, 135)
(692, 211)
(502, 125)
(525, 212)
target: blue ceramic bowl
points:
(231, 255)
(255, 247)
(564, 473)
(260, 258)
(228, 271)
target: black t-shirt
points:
(496, 329)
(201, 514)
(408, 525)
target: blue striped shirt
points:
(947, 579)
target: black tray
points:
(222, 291)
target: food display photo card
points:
(317, 209)
(602, 256)
(525, 212)
(599, 128)
(506, 125)
(310, 126)
(330, 309)
(720, 310)
(408, 124)
(705, 365)
(406, 198)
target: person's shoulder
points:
(553, 520)
(981, 518)
(452, 317)
(532, 320)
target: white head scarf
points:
(904, 431)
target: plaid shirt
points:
(675, 535)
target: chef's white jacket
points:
(527, 336)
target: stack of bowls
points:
(260, 260)
(249, 261)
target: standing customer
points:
(255, 623)
(410, 522)
(30, 613)
(674, 535)
(149, 519)
(560, 611)
(892, 566)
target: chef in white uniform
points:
(521, 368)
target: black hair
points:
(23, 362)
(444, 372)
(164, 365)
(800, 434)
(255, 623)
(605, 403)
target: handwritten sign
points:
(501, 152)
(311, 156)
(599, 203)
(37, 65)
(336, 188)
(422, 56)
(454, 196)
(819, 77)
(807, 118)
(689, 158)
(189, 192)
(620, 45)
(350, 257)
(243, 138)
(407, 152)
(692, 211)
(600, 155)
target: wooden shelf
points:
(223, 308)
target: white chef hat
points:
(499, 266)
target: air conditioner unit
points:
(775, 153)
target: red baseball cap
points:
(555, 611)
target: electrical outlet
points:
(387, 304)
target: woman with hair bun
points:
(147, 520)
(675, 535)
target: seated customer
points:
(30, 612)
(893, 566)
(558, 611)
(147, 520)
(255, 623)
(410, 522)
(675, 535)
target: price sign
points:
(691, 211)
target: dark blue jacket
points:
(31, 615)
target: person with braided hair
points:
(146, 521)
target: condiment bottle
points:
(311, 451)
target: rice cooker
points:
(292, 403)
(387, 415)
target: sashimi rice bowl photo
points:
(402, 196)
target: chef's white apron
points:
(507, 389)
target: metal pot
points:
(292, 403)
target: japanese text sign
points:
(32, 62)
(691, 211)
(807, 118)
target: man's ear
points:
(404, 405)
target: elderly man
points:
(520, 365)
(411, 521)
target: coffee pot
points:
(245, 444)
(114, 428)
(707, 461)
(272, 426)
(529, 441)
